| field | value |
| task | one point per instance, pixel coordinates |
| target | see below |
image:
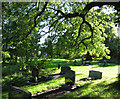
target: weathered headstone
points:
(95, 74)
(18, 93)
(64, 69)
(70, 77)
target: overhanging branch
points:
(82, 15)
(90, 35)
(35, 24)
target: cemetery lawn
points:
(108, 86)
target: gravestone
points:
(64, 69)
(95, 74)
(70, 77)
(16, 92)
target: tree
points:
(81, 39)
(76, 24)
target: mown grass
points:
(108, 86)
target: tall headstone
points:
(70, 77)
(18, 93)
(95, 74)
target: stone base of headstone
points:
(18, 93)
(69, 88)
(66, 87)
(93, 74)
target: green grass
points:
(108, 86)
(105, 87)
(46, 85)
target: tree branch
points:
(82, 15)
(80, 29)
(66, 16)
(35, 24)
(90, 35)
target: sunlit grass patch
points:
(46, 85)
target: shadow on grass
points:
(77, 90)
(108, 90)
(99, 90)
(53, 93)
(115, 85)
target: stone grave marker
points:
(95, 74)
(18, 93)
(70, 77)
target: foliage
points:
(6, 54)
(71, 29)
